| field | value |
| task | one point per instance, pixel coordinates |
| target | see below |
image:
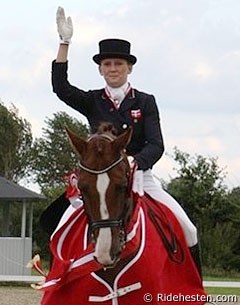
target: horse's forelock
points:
(107, 128)
(107, 131)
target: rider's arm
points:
(62, 53)
(154, 145)
(76, 98)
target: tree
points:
(233, 199)
(52, 154)
(52, 158)
(15, 144)
(199, 188)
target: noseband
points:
(107, 223)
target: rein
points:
(171, 244)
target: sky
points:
(188, 57)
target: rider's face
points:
(115, 71)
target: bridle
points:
(102, 171)
(108, 223)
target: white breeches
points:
(157, 193)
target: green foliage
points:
(216, 244)
(233, 201)
(52, 154)
(40, 237)
(15, 144)
(199, 188)
(52, 158)
(199, 185)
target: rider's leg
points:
(190, 231)
(157, 193)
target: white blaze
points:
(104, 240)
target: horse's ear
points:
(77, 143)
(122, 141)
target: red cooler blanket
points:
(162, 271)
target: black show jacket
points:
(138, 110)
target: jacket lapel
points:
(128, 101)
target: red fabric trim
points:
(69, 248)
(153, 268)
(72, 189)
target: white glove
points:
(137, 186)
(131, 162)
(64, 26)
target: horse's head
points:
(104, 183)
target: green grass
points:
(222, 278)
(223, 291)
(220, 275)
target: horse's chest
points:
(109, 275)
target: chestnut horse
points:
(104, 184)
(117, 248)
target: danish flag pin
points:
(136, 115)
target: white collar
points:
(117, 95)
(123, 88)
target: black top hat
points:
(114, 48)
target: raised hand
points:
(64, 26)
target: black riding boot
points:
(195, 252)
